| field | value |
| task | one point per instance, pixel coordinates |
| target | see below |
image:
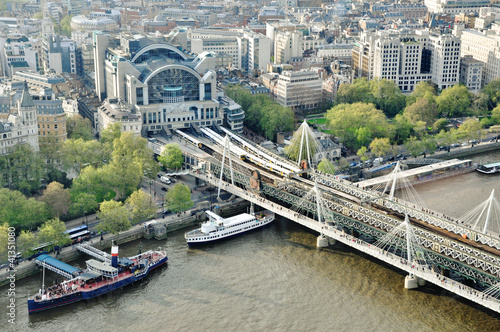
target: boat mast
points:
(43, 279)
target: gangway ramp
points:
(57, 266)
(94, 252)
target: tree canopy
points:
(141, 206)
(114, 217)
(454, 101)
(171, 156)
(326, 166)
(53, 231)
(57, 199)
(178, 198)
(79, 127)
(492, 91)
(422, 110)
(21, 212)
(357, 124)
(262, 115)
(380, 146)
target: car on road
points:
(165, 180)
(164, 188)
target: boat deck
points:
(77, 285)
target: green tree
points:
(57, 199)
(79, 127)
(84, 203)
(26, 242)
(471, 129)
(38, 16)
(53, 231)
(358, 92)
(414, 146)
(20, 212)
(171, 156)
(422, 90)
(96, 181)
(129, 158)
(141, 206)
(495, 114)
(23, 169)
(114, 217)
(357, 124)
(492, 91)
(454, 101)
(363, 153)
(422, 110)
(445, 138)
(79, 153)
(178, 199)
(108, 137)
(380, 146)
(65, 26)
(4, 240)
(439, 124)
(326, 166)
(387, 96)
(401, 129)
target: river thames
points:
(275, 279)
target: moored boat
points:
(217, 228)
(490, 168)
(99, 278)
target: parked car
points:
(164, 188)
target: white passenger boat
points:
(489, 168)
(217, 228)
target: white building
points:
(299, 89)
(204, 17)
(408, 57)
(455, 6)
(19, 53)
(484, 47)
(118, 113)
(471, 71)
(233, 114)
(20, 128)
(169, 89)
(59, 55)
(249, 50)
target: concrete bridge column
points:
(322, 241)
(411, 282)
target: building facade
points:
(169, 89)
(484, 47)
(408, 57)
(299, 90)
(471, 71)
(20, 128)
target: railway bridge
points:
(355, 216)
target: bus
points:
(41, 249)
(79, 234)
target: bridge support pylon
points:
(421, 282)
(322, 241)
(411, 282)
(331, 241)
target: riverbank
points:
(172, 223)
